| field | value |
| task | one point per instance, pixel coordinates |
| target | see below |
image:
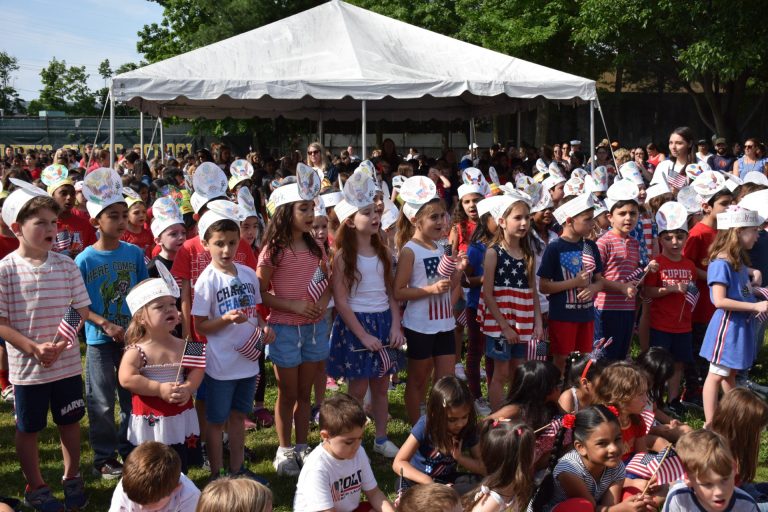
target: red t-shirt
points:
(8, 244)
(192, 259)
(671, 313)
(697, 250)
(143, 240)
(464, 231)
(83, 214)
(80, 232)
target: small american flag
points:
(63, 241)
(649, 418)
(387, 361)
(462, 318)
(588, 258)
(194, 355)
(253, 347)
(692, 294)
(69, 326)
(317, 284)
(676, 179)
(446, 266)
(645, 464)
(761, 292)
(537, 349)
(635, 275)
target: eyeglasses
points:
(313, 152)
(748, 146)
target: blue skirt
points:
(343, 361)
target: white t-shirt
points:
(326, 482)
(215, 294)
(369, 295)
(434, 313)
(183, 499)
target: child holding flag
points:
(150, 369)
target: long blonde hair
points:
(323, 159)
(728, 244)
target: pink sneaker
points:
(331, 384)
(248, 424)
(263, 418)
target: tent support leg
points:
(471, 137)
(111, 127)
(320, 132)
(141, 134)
(592, 131)
(363, 142)
(162, 140)
(519, 128)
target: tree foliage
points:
(9, 97)
(64, 88)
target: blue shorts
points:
(499, 350)
(200, 395)
(225, 396)
(618, 325)
(679, 344)
(65, 398)
(296, 344)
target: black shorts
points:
(64, 397)
(425, 346)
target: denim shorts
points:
(225, 396)
(499, 350)
(296, 344)
(65, 398)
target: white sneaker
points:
(285, 463)
(459, 371)
(301, 455)
(483, 375)
(482, 407)
(388, 449)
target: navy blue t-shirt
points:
(562, 260)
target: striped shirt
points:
(620, 257)
(290, 280)
(571, 463)
(514, 297)
(34, 300)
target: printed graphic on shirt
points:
(113, 293)
(570, 263)
(671, 276)
(343, 487)
(439, 305)
(435, 463)
(238, 295)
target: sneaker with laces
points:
(42, 500)
(759, 389)
(75, 497)
(286, 463)
(388, 449)
(301, 455)
(330, 384)
(482, 407)
(459, 371)
(263, 418)
(7, 394)
(110, 470)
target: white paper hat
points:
(494, 175)
(552, 181)
(416, 191)
(598, 180)
(756, 177)
(131, 197)
(221, 209)
(688, 197)
(165, 213)
(389, 217)
(757, 202)
(732, 182)
(305, 188)
(657, 189)
(367, 167)
(672, 216)
(694, 170)
(151, 289)
(631, 171)
(487, 204)
(319, 208)
(523, 181)
(737, 217)
(708, 183)
(247, 204)
(197, 201)
(580, 173)
(55, 176)
(600, 208)
(210, 181)
(541, 166)
(544, 202)
(498, 209)
(18, 198)
(239, 171)
(359, 192)
(102, 188)
(554, 169)
(575, 142)
(397, 181)
(574, 207)
(331, 199)
(474, 176)
(621, 190)
(573, 187)
(465, 190)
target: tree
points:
(713, 50)
(9, 97)
(64, 88)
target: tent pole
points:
(519, 128)
(471, 138)
(162, 141)
(591, 132)
(141, 134)
(111, 127)
(363, 150)
(320, 132)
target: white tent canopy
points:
(320, 63)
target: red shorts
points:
(566, 337)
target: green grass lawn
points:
(262, 442)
